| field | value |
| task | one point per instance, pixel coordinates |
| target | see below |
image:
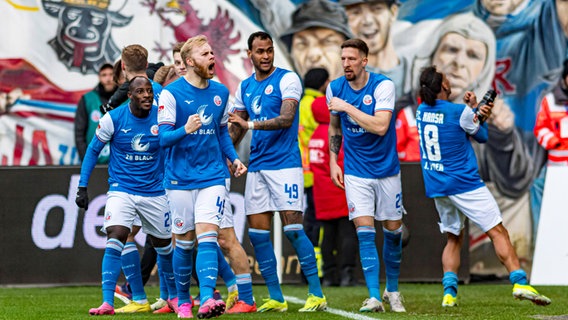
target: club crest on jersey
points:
(205, 120)
(367, 99)
(137, 145)
(154, 130)
(217, 100)
(178, 222)
(255, 106)
(269, 89)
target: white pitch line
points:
(339, 312)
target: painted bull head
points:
(84, 41)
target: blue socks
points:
(306, 255)
(450, 283)
(266, 259)
(111, 269)
(518, 276)
(207, 265)
(369, 259)
(225, 270)
(166, 272)
(131, 268)
(182, 265)
(244, 283)
(392, 254)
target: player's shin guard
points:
(206, 265)
(111, 269)
(131, 268)
(266, 259)
(369, 260)
(392, 254)
(306, 255)
(166, 272)
(183, 264)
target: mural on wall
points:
(515, 46)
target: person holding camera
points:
(451, 177)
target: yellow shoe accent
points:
(271, 305)
(232, 299)
(314, 303)
(134, 307)
(449, 301)
(526, 292)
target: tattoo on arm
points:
(235, 131)
(284, 120)
(335, 143)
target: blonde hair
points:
(191, 43)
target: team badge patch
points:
(154, 130)
(217, 100)
(269, 89)
(108, 216)
(160, 108)
(351, 207)
(178, 222)
(367, 99)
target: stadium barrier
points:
(46, 239)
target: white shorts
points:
(153, 213)
(189, 207)
(478, 205)
(274, 190)
(378, 198)
(227, 220)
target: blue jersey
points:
(262, 100)
(196, 160)
(367, 155)
(136, 158)
(448, 161)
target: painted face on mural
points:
(562, 9)
(317, 48)
(461, 59)
(262, 55)
(202, 60)
(501, 7)
(371, 22)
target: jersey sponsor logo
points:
(367, 99)
(178, 222)
(137, 145)
(218, 101)
(205, 120)
(154, 130)
(269, 89)
(160, 108)
(255, 105)
(247, 94)
(95, 116)
(108, 215)
(188, 102)
(125, 130)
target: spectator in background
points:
(117, 73)
(318, 29)
(179, 66)
(165, 75)
(315, 82)
(87, 115)
(338, 247)
(551, 131)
